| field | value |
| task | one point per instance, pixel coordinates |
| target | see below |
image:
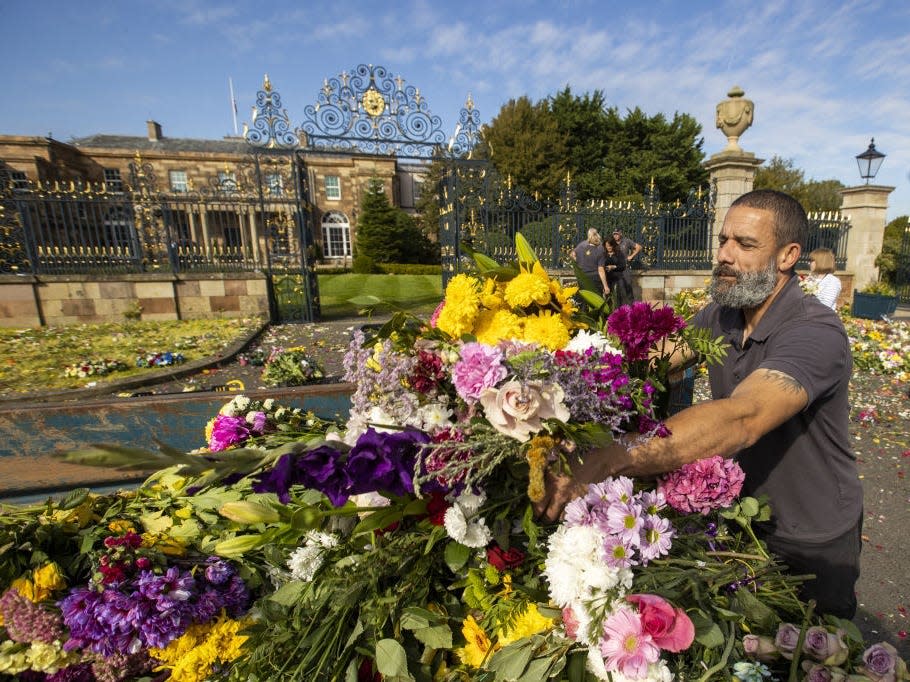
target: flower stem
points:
(722, 663)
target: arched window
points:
(336, 235)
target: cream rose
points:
(518, 409)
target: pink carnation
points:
(703, 485)
(479, 367)
(228, 431)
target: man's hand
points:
(596, 466)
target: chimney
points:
(154, 129)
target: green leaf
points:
(707, 633)
(378, 519)
(289, 593)
(391, 661)
(511, 662)
(456, 555)
(596, 301)
(524, 250)
(429, 628)
(756, 611)
(75, 498)
(749, 506)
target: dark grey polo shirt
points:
(589, 257)
(806, 466)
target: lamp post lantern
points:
(869, 162)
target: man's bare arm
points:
(762, 402)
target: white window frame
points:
(178, 184)
(336, 235)
(275, 184)
(332, 187)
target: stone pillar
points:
(732, 169)
(866, 206)
(733, 173)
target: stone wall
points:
(32, 301)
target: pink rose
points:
(787, 639)
(479, 367)
(518, 410)
(882, 664)
(669, 627)
(816, 672)
(824, 646)
(760, 648)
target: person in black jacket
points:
(615, 266)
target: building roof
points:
(165, 144)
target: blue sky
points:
(825, 75)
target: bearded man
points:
(780, 406)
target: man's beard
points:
(750, 289)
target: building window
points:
(178, 181)
(227, 181)
(275, 184)
(336, 235)
(18, 179)
(332, 187)
(112, 180)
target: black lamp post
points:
(869, 162)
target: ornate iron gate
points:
(902, 272)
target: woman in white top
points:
(821, 265)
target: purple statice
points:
(378, 373)
(639, 327)
(218, 571)
(596, 387)
(26, 621)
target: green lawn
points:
(414, 293)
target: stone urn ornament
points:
(734, 115)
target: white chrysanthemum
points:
(463, 525)
(657, 672)
(306, 560)
(356, 426)
(377, 416)
(575, 567)
(434, 417)
(585, 339)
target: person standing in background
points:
(821, 265)
(630, 248)
(615, 265)
(590, 255)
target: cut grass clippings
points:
(36, 359)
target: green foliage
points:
(814, 195)
(364, 265)
(387, 234)
(890, 261)
(409, 269)
(878, 289)
(525, 144)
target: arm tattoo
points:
(783, 381)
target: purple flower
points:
(881, 662)
(257, 422)
(227, 431)
(384, 461)
(639, 327)
(786, 639)
(218, 571)
(165, 590)
(81, 672)
(319, 469)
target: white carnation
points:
(585, 339)
(463, 525)
(434, 417)
(575, 567)
(307, 559)
(268, 404)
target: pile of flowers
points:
(880, 347)
(160, 359)
(93, 368)
(402, 542)
(291, 367)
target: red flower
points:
(436, 508)
(501, 559)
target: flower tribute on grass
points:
(401, 543)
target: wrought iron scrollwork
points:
(369, 111)
(271, 125)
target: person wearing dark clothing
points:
(630, 249)
(615, 265)
(780, 405)
(590, 255)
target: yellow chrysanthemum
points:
(564, 298)
(462, 306)
(528, 288)
(191, 657)
(120, 526)
(493, 326)
(26, 588)
(529, 623)
(49, 578)
(547, 329)
(477, 646)
(492, 296)
(164, 543)
(208, 429)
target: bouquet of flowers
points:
(93, 368)
(291, 367)
(160, 359)
(402, 544)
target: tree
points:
(387, 234)
(890, 260)
(814, 195)
(524, 143)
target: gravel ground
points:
(880, 426)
